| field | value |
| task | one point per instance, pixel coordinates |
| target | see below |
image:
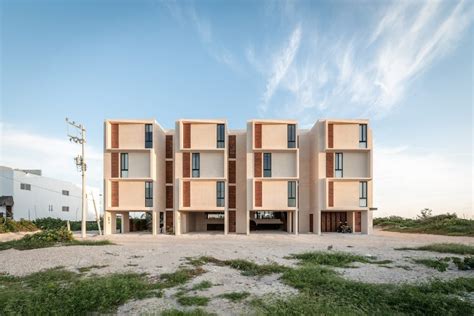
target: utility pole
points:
(82, 167)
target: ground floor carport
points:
(116, 222)
(358, 221)
(286, 221)
(203, 221)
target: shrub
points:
(459, 249)
(12, 226)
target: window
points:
(291, 193)
(65, 192)
(148, 136)
(362, 135)
(65, 208)
(124, 165)
(220, 193)
(363, 194)
(220, 136)
(267, 164)
(25, 186)
(196, 165)
(50, 208)
(338, 164)
(148, 194)
(291, 136)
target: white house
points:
(35, 196)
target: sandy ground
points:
(158, 254)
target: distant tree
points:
(425, 213)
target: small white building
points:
(35, 196)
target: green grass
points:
(235, 296)
(194, 312)
(459, 249)
(189, 300)
(438, 264)
(179, 277)
(202, 286)
(12, 226)
(334, 259)
(445, 224)
(89, 268)
(464, 264)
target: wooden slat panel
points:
(330, 193)
(187, 135)
(169, 146)
(311, 223)
(232, 193)
(330, 135)
(114, 135)
(115, 194)
(329, 165)
(114, 171)
(358, 222)
(232, 146)
(232, 171)
(169, 196)
(258, 193)
(169, 222)
(186, 165)
(232, 223)
(169, 171)
(258, 135)
(257, 165)
(186, 194)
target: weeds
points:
(335, 259)
(202, 286)
(459, 249)
(194, 312)
(89, 268)
(438, 264)
(193, 300)
(235, 296)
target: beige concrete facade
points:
(201, 176)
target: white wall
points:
(139, 165)
(212, 165)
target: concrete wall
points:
(132, 195)
(139, 165)
(203, 136)
(131, 136)
(241, 198)
(275, 195)
(284, 164)
(274, 136)
(212, 164)
(356, 165)
(203, 195)
(346, 136)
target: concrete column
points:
(247, 220)
(125, 222)
(107, 223)
(351, 220)
(289, 222)
(113, 223)
(153, 223)
(226, 222)
(366, 222)
(295, 222)
(317, 222)
(177, 223)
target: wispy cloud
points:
(366, 73)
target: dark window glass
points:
(220, 193)
(363, 194)
(25, 186)
(291, 193)
(148, 194)
(267, 164)
(65, 192)
(362, 135)
(291, 136)
(65, 208)
(220, 136)
(338, 165)
(196, 165)
(148, 136)
(124, 165)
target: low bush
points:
(459, 249)
(57, 223)
(438, 264)
(193, 300)
(12, 226)
(235, 296)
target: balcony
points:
(128, 195)
(274, 136)
(348, 136)
(129, 135)
(203, 135)
(202, 195)
(345, 195)
(273, 195)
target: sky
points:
(405, 65)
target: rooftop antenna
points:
(81, 167)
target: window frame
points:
(339, 165)
(267, 165)
(148, 194)
(124, 163)
(220, 194)
(362, 135)
(291, 135)
(25, 186)
(148, 135)
(292, 193)
(65, 209)
(363, 187)
(65, 192)
(220, 135)
(196, 165)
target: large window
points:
(220, 136)
(362, 135)
(363, 194)
(65, 192)
(65, 209)
(338, 165)
(291, 136)
(148, 136)
(148, 194)
(196, 165)
(220, 193)
(291, 193)
(124, 165)
(267, 164)
(25, 186)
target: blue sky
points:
(407, 66)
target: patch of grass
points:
(193, 300)
(235, 296)
(249, 268)
(12, 226)
(445, 224)
(202, 286)
(404, 267)
(438, 264)
(89, 268)
(75, 242)
(194, 312)
(466, 264)
(459, 249)
(334, 259)
(179, 277)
